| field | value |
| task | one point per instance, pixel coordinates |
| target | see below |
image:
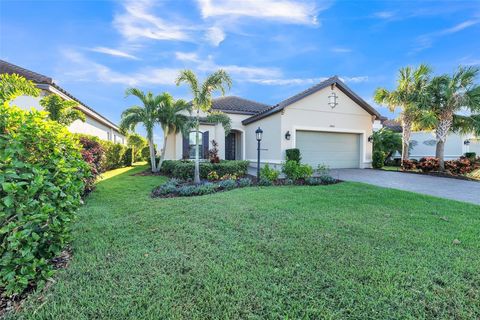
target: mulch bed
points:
(15, 303)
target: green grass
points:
(348, 250)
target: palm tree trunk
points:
(441, 133)
(196, 177)
(162, 156)
(151, 146)
(407, 130)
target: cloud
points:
(114, 52)
(137, 22)
(187, 56)
(287, 11)
(215, 36)
(384, 14)
(341, 50)
(426, 41)
(305, 81)
(85, 69)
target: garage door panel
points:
(336, 150)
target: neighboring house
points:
(423, 143)
(329, 123)
(95, 124)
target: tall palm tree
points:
(448, 97)
(202, 100)
(408, 96)
(146, 114)
(173, 118)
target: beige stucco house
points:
(95, 124)
(328, 122)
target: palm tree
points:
(202, 100)
(408, 96)
(146, 114)
(62, 111)
(172, 118)
(448, 96)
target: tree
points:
(202, 100)
(13, 85)
(449, 97)
(408, 96)
(146, 114)
(137, 143)
(172, 118)
(387, 141)
(60, 110)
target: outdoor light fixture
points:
(287, 135)
(258, 133)
(370, 139)
(466, 142)
(332, 100)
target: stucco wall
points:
(271, 141)
(314, 113)
(91, 126)
(424, 145)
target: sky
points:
(95, 49)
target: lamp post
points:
(258, 133)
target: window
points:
(109, 135)
(191, 142)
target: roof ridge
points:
(241, 98)
(49, 79)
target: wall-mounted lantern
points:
(466, 142)
(287, 135)
(370, 139)
(332, 100)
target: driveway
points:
(455, 189)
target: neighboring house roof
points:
(232, 104)
(40, 79)
(393, 125)
(333, 80)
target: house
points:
(328, 122)
(423, 143)
(95, 124)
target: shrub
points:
(167, 167)
(409, 164)
(244, 182)
(184, 169)
(323, 169)
(41, 182)
(264, 182)
(328, 179)
(228, 176)
(293, 154)
(94, 155)
(428, 164)
(114, 153)
(213, 176)
(311, 181)
(145, 154)
(269, 173)
(295, 171)
(128, 157)
(459, 166)
(471, 156)
(378, 159)
(213, 153)
(227, 184)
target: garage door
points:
(336, 150)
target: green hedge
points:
(41, 182)
(114, 154)
(378, 158)
(184, 169)
(293, 154)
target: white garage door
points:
(336, 150)
(475, 146)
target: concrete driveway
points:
(461, 190)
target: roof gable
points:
(333, 80)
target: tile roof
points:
(232, 104)
(7, 67)
(393, 125)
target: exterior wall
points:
(424, 145)
(313, 113)
(271, 143)
(91, 126)
(474, 146)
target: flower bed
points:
(179, 188)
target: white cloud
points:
(426, 41)
(215, 36)
(138, 22)
(287, 11)
(341, 50)
(384, 14)
(114, 52)
(187, 56)
(87, 70)
(305, 81)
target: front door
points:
(230, 146)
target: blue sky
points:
(272, 49)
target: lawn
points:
(348, 250)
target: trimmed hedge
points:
(378, 159)
(41, 182)
(114, 154)
(293, 154)
(182, 169)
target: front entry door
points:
(230, 146)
